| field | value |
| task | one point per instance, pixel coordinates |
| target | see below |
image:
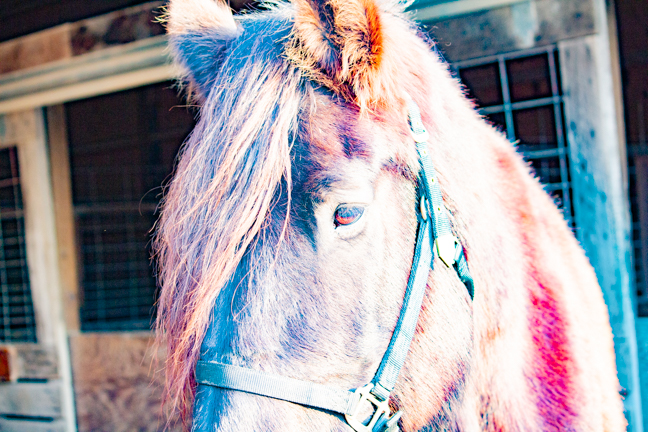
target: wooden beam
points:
(30, 361)
(64, 212)
(91, 35)
(42, 80)
(513, 27)
(110, 61)
(91, 88)
(454, 8)
(43, 47)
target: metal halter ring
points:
(423, 208)
(381, 409)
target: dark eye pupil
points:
(346, 215)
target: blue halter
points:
(433, 224)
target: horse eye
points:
(346, 215)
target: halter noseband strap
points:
(433, 224)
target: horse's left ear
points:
(198, 34)
(342, 45)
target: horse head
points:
(287, 236)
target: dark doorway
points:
(122, 149)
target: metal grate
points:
(16, 308)
(633, 39)
(122, 148)
(118, 287)
(638, 194)
(520, 94)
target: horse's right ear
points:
(346, 46)
(198, 34)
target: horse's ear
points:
(342, 45)
(198, 34)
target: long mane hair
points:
(226, 178)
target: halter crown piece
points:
(434, 233)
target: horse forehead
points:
(336, 133)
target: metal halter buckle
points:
(418, 131)
(420, 137)
(389, 424)
(381, 409)
(448, 249)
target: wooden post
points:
(64, 212)
(600, 192)
(27, 131)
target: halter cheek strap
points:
(433, 224)
(446, 244)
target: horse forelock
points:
(224, 185)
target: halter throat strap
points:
(434, 234)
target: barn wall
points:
(632, 16)
(100, 55)
(71, 61)
(21, 17)
(37, 398)
(514, 27)
(31, 389)
(600, 198)
(117, 382)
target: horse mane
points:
(225, 181)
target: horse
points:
(289, 233)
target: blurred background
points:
(90, 126)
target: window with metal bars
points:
(122, 148)
(520, 94)
(17, 322)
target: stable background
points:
(90, 125)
